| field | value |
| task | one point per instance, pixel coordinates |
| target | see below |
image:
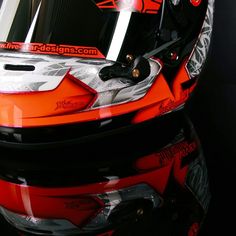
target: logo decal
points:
(64, 105)
(142, 6)
(63, 50)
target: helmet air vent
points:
(19, 67)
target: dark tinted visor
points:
(83, 28)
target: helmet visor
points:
(84, 28)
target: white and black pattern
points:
(113, 199)
(116, 91)
(49, 71)
(42, 78)
(199, 55)
(197, 181)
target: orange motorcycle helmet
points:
(93, 135)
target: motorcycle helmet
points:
(92, 135)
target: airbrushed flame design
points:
(199, 55)
(114, 91)
(12, 81)
(50, 71)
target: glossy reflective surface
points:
(115, 201)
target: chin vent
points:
(19, 67)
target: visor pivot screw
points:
(140, 212)
(174, 56)
(195, 3)
(129, 58)
(135, 73)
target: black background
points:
(213, 112)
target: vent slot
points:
(19, 67)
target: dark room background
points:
(213, 112)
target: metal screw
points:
(140, 212)
(135, 73)
(174, 56)
(129, 58)
(195, 3)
